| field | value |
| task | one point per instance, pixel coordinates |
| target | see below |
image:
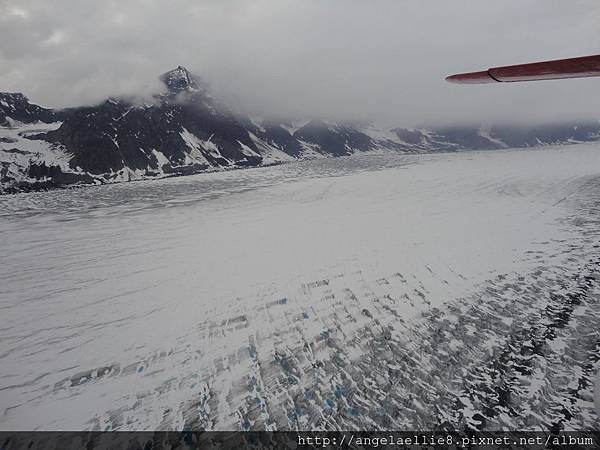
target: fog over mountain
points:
(377, 60)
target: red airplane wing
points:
(585, 66)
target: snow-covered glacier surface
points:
(368, 292)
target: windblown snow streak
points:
(373, 291)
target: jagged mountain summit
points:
(185, 130)
(181, 80)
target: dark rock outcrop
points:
(184, 124)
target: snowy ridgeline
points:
(373, 292)
(186, 130)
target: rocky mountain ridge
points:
(185, 130)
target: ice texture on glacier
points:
(372, 291)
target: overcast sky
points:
(371, 59)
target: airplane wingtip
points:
(471, 78)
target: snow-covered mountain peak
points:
(11, 101)
(16, 106)
(12, 96)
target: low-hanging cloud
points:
(350, 59)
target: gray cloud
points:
(371, 59)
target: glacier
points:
(375, 291)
